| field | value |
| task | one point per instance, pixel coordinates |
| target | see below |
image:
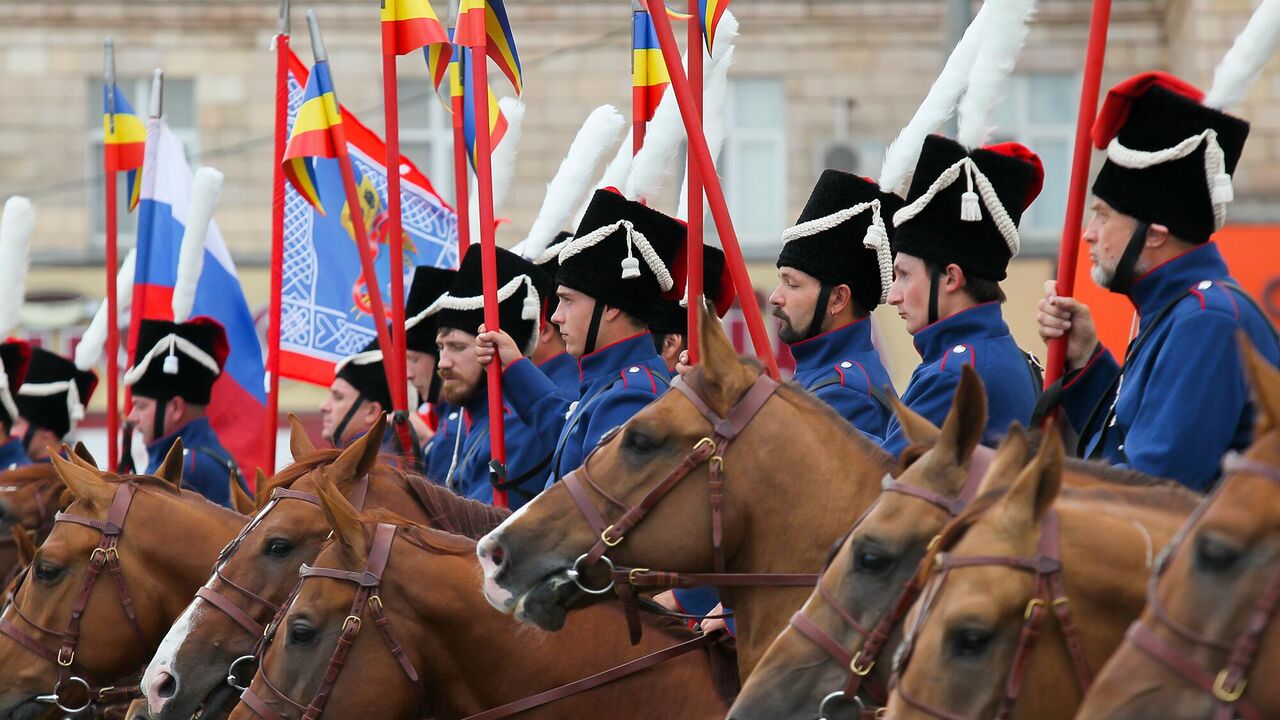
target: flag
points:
(237, 410)
(710, 12)
(311, 138)
(325, 313)
(459, 77)
(438, 56)
(408, 25)
(125, 145)
(480, 18)
(676, 15)
(649, 78)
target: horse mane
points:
(447, 511)
(794, 393)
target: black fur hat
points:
(519, 297)
(178, 359)
(429, 283)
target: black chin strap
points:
(341, 428)
(597, 314)
(1125, 276)
(935, 277)
(819, 311)
(157, 421)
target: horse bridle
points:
(44, 524)
(1227, 686)
(368, 583)
(1046, 566)
(105, 555)
(858, 666)
(711, 450)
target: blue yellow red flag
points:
(459, 86)
(124, 138)
(439, 57)
(710, 12)
(312, 137)
(649, 78)
(408, 25)
(676, 15)
(484, 23)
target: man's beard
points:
(787, 332)
(458, 394)
(1102, 277)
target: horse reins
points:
(859, 665)
(44, 524)
(1227, 686)
(105, 555)
(709, 450)
(1046, 566)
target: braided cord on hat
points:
(876, 238)
(75, 408)
(368, 357)
(985, 190)
(531, 311)
(550, 253)
(1215, 166)
(167, 345)
(635, 238)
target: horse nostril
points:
(497, 554)
(166, 685)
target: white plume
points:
(503, 162)
(726, 35)
(1003, 36)
(615, 174)
(94, 340)
(601, 131)
(902, 154)
(1243, 63)
(206, 188)
(16, 225)
(717, 87)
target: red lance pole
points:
(462, 201)
(488, 249)
(694, 260)
(395, 362)
(339, 135)
(714, 192)
(112, 266)
(1069, 249)
(277, 232)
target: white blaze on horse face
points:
(170, 647)
(502, 600)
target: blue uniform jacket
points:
(563, 371)
(13, 455)
(617, 381)
(206, 466)
(977, 336)
(439, 450)
(844, 366)
(1184, 400)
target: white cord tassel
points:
(532, 309)
(170, 361)
(1223, 191)
(970, 205)
(630, 265)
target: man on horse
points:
(1180, 400)
(952, 245)
(611, 274)
(670, 323)
(422, 356)
(457, 314)
(834, 270)
(358, 396)
(174, 368)
(51, 402)
(15, 358)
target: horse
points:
(787, 461)
(72, 629)
(28, 501)
(1023, 551)
(438, 653)
(1207, 644)
(256, 571)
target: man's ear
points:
(611, 313)
(954, 278)
(1157, 235)
(373, 410)
(840, 297)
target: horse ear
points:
(966, 420)
(342, 517)
(260, 484)
(916, 427)
(724, 371)
(240, 500)
(85, 484)
(1265, 381)
(300, 444)
(81, 455)
(171, 469)
(360, 456)
(1035, 489)
(1010, 458)
(26, 548)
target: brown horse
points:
(426, 643)
(1208, 643)
(128, 553)
(28, 501)
(258, 569)
(795, 465)
(1025, 562)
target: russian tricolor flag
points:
(237, 411)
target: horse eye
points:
(638, 442)
(300, 634)
(871, 561)
(277, 547)
(1215, 556)
(48, 573)
(970, 642)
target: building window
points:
(426, 132)
(180, 112)
(1039, 111)
(754, 162)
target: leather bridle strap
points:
(1141, 637)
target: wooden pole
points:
(112, 267)
(694, 179)
(277, 233)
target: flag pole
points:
(281, 45)
(711, 186)
(1069, 249)
(695, 217)
(488, 248)
(457, 98)
(395, 243)
(339, 136)
(112, 263)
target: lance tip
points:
(157, 92)
(317, 41)
(282, 18)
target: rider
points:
(457, 314)
(611, 274)
(15, 357)
(174, 368)
(51, 402)
(551, 356)
(670, 323)
(834, 270)
(358, 396)
(422, 357)
(1180, 401)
